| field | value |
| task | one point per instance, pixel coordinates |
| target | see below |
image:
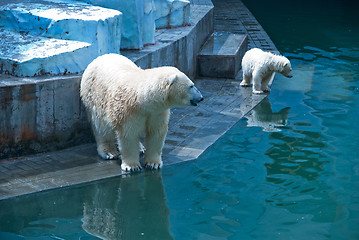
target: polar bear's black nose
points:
(194, 102)
(196, 96)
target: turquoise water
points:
(290, 170)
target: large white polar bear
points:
(125, 102)
(260, 66)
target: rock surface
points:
(50, 34)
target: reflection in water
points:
(137, 209)
(128, 207)
(263, 116)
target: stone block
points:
(222, 54)
(69, 20)
(138, 23)
(172, 13)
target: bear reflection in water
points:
(263, 116)
(134, 208)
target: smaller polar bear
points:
(125, 102)
(260, 66)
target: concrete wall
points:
(41, 115)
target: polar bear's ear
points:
(172, 78)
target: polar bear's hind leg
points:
(257, 83)
(246, 82)
(105, 140)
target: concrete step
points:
(222, 54)
(28, 55)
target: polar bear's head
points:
(286, 68)
(182, 91)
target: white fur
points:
(260, 66)
(125, 102)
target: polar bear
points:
(124, 102)
(260, 66)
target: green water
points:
(288, 171)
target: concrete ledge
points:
(39, 114)
(191, 131)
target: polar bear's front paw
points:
(132, 167)
(109, 155)
(154, 165)
(258, 92)
(245, 84)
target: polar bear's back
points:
(109, 80)
(108, 72)
(110, 66)
(114, 62)
(256, 56)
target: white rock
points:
(138, 24)
(27, 55)
(70, 20)
(172, 13)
